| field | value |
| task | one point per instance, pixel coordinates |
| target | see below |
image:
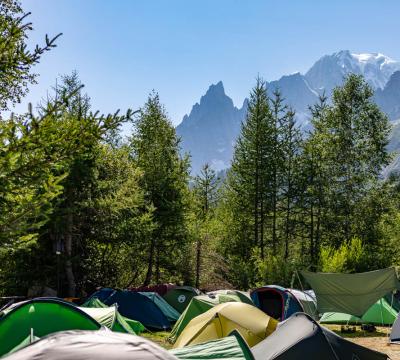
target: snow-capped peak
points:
(375, 67)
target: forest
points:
(83, 206)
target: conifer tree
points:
(249, 177)
(155, 148)
(206, 197)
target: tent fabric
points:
(395, 333)
(197, 306)
(351, 293)
(40, 317)
(222, 319)
(232, 347)
(308, 302)
(160, 289)
(276, 301)
(92, 345)
(381, 313)
(95, 308)
(242, 295)
(301, 337)
(135, 306)
(180, 296)
(171, 314)
(27, 341)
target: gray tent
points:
(395, 333)
(351, 294)
(300, 337)
(91, 345)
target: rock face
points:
(209, 132)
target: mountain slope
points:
(330, 70)
(210, 130)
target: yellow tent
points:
(218, 322)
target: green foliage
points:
(16, 60)
(155, 149)
(350, 257)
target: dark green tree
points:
(155, 149)
(206, 198)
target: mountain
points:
(209, 132)
(388, 98)
(330, 70)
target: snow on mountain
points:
(330, 70)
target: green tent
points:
(242, 295)
(198, 305)
(110, 317)
(27, 341)
(381, 313)
(170, 313)
(232, 347)
(180, 296)
(40, 317)
(351, 293)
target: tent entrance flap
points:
(271, 302)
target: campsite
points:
(192, 180)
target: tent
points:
(199, 305)
(351, 293)
(276, 301)
(222, 319)
(180, 296)
(381, 313)
(301, 337)
(135, 306)
(242, 295)
(307, 301)
(92, 345)
(128, 325)
(170, 313)
(39, 317)
(395, 333)
(232, 347)
(160, 289)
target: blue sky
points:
(122, 49)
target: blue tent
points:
(276, 301)
(135, 306)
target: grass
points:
(159, 337)
(379, 331)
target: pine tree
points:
(155, 148)
(249, 179)
(206, 196)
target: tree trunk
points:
(149, 273)
(69, 272)
(198, 259)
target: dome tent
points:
(242, 295)
(92, 345)
(252, 324)
(120, 323)
(232, 347)
(40, 317)
(171, 314)
(135, 306)
(300, 334)
(381, 313)
(276, 301)
(197, 306)
(180, 297)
